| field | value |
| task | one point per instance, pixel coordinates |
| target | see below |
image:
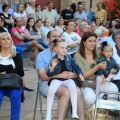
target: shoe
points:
(25, 69)
(28, 89)
(75, 117)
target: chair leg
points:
(36, 102)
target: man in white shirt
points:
(50, 13)
(30, 10)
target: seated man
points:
(19, 35)
(63, 92)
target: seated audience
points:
(60, 25)
(10, 62)
(45, 29)
(62, 93)
(72, 38)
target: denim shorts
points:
(25, 45)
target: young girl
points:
(77, 29)
(111, 66)
(62, 62)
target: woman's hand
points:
(102, 65)
(112, 71)
(54, 62)
(81, 78)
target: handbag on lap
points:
(10, 81)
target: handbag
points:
(9, 81)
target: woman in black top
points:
(10, 62)
(8, 19)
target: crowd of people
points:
(76, 39)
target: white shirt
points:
(30, 11)
(70, 38)
(59, 29)
(19, 15)
(7, 61)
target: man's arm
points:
(65, 75)
(19, 36)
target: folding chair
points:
(106, 104)
(40, 101)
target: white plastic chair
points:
(106, 104)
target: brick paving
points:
(27, 107)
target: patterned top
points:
(101, 14)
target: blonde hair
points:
(12, 53)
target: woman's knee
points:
(99, 79)
(89, 96)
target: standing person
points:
(10, 10)
(45, 29)
(19, 13)
(108, 73)
(60, 25)
(67, 13)
(7, 17)
(59, 63)
(100, 13)
(30, 10)
(63, 92)
(50, 13)
(38, 14)
(10, 62)
(72, 38)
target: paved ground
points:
(28, 105)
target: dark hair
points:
(79, 3)
(73, 6)
(99, 3)
(49, 34)
(26, 4)
(38, 20)
(49, 2)
(59, 20)
(96, 19)
(82, 47)
(36, 7)
(18, 6)
(4, 7)
(33, 27)
(2, 18)
(66, 24)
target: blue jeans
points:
(15, 98)
(20, 51)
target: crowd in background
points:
(84, 30)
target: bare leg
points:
(39, 46)
(80, 104)
(64, 98)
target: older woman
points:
(72, 38)
(10, 62)
(86, 58)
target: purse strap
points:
(8, 76)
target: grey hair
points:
(114, 36)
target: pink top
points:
(15, 39)
(78, 29)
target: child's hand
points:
(81, 78)
(112, 71)
(54, 62)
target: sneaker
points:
(28, 89)
(25, 69)
(75, 117)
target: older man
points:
(30, 10)
(63, 92)
(50, 13)
(100, 13)
(80, 13)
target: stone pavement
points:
(27, 107)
